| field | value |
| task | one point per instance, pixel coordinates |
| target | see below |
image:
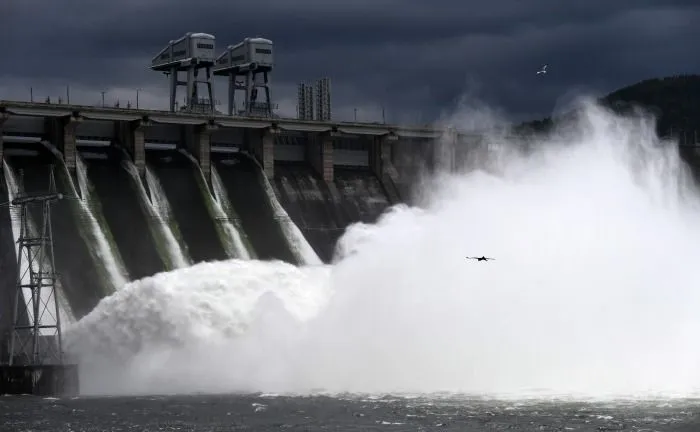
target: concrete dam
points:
(150, 191)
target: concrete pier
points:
(445, 150)
(68, 143)
(380, 156)
(197, 141)
(202, 150)
(133, 139)
(138, 144)
(131, 136)
(61, 132)
(320, 154)
(264, 150)
(40, 380)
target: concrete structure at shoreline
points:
(322, 144)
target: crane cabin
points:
(253, 54)
(192, 48)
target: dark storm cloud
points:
(412, 57)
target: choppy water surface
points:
(268, 413)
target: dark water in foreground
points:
(261, 413)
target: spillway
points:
(221, 211)
(123, 212)
(243, 183)
(102, 240)
(84, 276)
(298, 244)
(579, 301)
(239, 244)
(179, 180)
(322, 210)
(154, 198)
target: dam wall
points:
(125, 214)
(323, 210)
(179, 181)
(327, 183)
(323, 182)
(166, 191)
(243, 183)
(150, 180)
(83, 275)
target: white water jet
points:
(159, 209)
(113, 264)
(64, 310)
(235, 248)
(300, 246)
(221, 202)
(161, 206)
(595, 236)
(175, 311)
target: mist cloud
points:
(582, 298)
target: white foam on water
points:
(197, 310)
(592, 292)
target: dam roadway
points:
(206, 134)
(153, 180)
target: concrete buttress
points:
(264, 151)
(381, 166)
(62, 134)
(202, 150)
(319, 154)
(131, 135)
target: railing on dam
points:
(36, 109)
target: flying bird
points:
(481, 258)
(543, 70)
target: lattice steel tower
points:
(36, 324)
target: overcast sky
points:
(415, 58)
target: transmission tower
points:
(36, 324)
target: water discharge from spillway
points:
(300, 246)
(158, 208)
(223, 206)
(108, 255)
(222, 210)
(592, 293)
